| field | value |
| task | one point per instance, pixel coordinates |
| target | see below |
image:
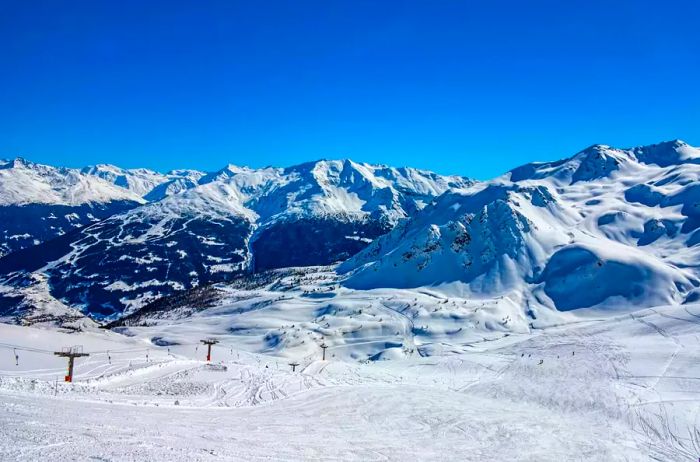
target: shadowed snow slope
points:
(607, 227)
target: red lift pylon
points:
(71, 353)
(209, 343)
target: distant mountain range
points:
(606, 228)
(109, 240)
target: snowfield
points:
(621, 387)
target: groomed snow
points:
(620, 388)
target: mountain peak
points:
(596, 148)
(600, 160)
(19, 162)
(667, 153)
(674, 143)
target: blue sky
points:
(464, 87)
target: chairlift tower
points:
(209, 342)
(71, 353)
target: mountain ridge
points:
(568, 234)
(233, 221)
(600, 213)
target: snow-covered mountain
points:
(40, 202)
(234, 220)
(146, 183)
(25, 182)
(605, 228)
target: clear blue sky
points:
(466, 87)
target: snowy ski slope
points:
(616, 388)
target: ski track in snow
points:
(624, 388)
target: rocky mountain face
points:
(185, 229)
